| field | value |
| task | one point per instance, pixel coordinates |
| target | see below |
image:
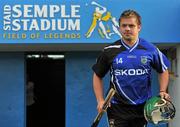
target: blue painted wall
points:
(80, 99)
(12, 90)
(80, 102)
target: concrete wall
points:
(174, 90)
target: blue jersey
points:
(130, 69)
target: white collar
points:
(130, 48)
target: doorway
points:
(45, 73)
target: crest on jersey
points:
(144, 59)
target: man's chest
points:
(132, 60)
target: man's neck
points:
(130, 43)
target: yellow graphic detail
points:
(100, 17)
(107, 16)
(100, 32)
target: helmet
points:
(157, 110)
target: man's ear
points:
(139, 27)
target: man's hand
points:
(100, 106)
(164, 95)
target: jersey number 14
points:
(119, 60)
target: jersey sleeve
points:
(160, 62)
(101, 67)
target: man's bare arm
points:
(164, 81)
(98, 90)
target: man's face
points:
(129, 28)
